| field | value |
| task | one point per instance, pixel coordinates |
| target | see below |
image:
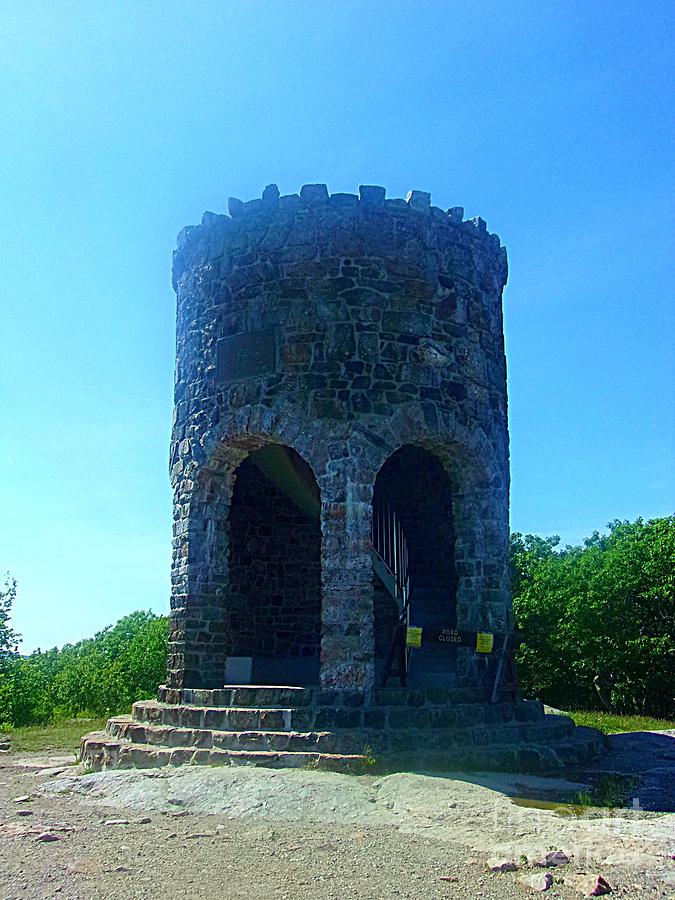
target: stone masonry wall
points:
(386, 323)
(274, 604)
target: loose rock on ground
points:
(254, 833)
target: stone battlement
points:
(414, 218)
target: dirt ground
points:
(253, 833)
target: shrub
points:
(598, 621)
(99, 676)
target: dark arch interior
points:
(415, 485)
(274, 627)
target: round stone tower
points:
(340, 471)
(339, 456)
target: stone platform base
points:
(391, 729)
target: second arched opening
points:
(414, 560)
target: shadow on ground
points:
(636, 772)
(649, 756)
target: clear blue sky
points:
(123, 121)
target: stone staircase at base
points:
(392, 729)
(100, 751)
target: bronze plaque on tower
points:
(246, 355)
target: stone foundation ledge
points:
(341, 741)
(100, 750)
(313, 717)
(280, 697)
(400, 728)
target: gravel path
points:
(254, 833)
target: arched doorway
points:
(413, 529)
(274, 605)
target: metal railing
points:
(390, 556)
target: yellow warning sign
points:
(484, 642)
(413, 637)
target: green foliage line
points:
(612, 723)
(99, 676)
(598, 621)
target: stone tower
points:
(340, 470)
(336, 352)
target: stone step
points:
(531, 758)
(261, 697)
(581, 746)
(246, 696)
(438, 733)
(165, 735)
(101, 751)
(225, 718)
(544, 749)
(332, 718)
(428, 697)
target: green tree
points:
(9, 647)
(9, 639)
(98, 676)
(598, 621)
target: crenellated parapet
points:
(340, 306)
(394, 220)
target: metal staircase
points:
(431, 664)
(391, 565)
(390, 554)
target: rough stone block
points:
(216, 718)
(420, 200)
(270, 196)
(374, 718)
(314, 194)
(372, 196)
(235, 207)
(328, 719)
